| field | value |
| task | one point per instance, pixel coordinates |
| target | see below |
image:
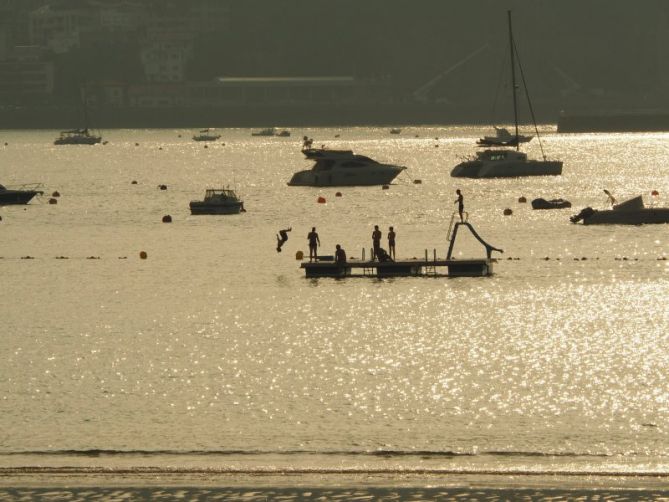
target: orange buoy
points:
(133, 182)
(655, 193)
(321, 200)
(162, 187)
(55, 194)
(299, 255)
(385, 187)
(167, 219)
(508, 212)
(206, 146)
(522, 199)
(338, 194)
(143, 255)
(53, 201)
(417, 182)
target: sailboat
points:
(505, 162)
(81, 136)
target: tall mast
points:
(513, 80)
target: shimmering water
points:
(216, 352)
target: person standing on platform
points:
(314, 242)
(391, 243)
(376, 241)
(461, 203)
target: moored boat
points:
(630, 212)
(504, 163)
(541, 203)
(344, 168)
(22, 194)
(77, 137)
(218, 201)
(206, 135)
(272, 131)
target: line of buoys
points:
(321, 200)
(522, 199)
(143, 255)
(53, 201)
(508, 212)
(167, 219)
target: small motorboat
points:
(550, 204)
(343, 168)
(206, 135)
(218, 201)
(503, 137)
(630, 212)
(272, 131)
(22, 194)
(77, 137)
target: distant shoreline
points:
(256, 116)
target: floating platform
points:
(404, 268)
(325, 266)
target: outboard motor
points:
(585, 213)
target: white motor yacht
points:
(344, 168)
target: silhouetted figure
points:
(391, 242)
(314, 242)
(382, 255)
(307, 142)
(612, 199)
(376, 241)
(340, 255)
(461, 203)
(281, 238)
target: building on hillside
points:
(25, 77)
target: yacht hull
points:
(13, 197)
(89, 140)
(198, 207)
(499, 169)
(638, 217)
(378, 175)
